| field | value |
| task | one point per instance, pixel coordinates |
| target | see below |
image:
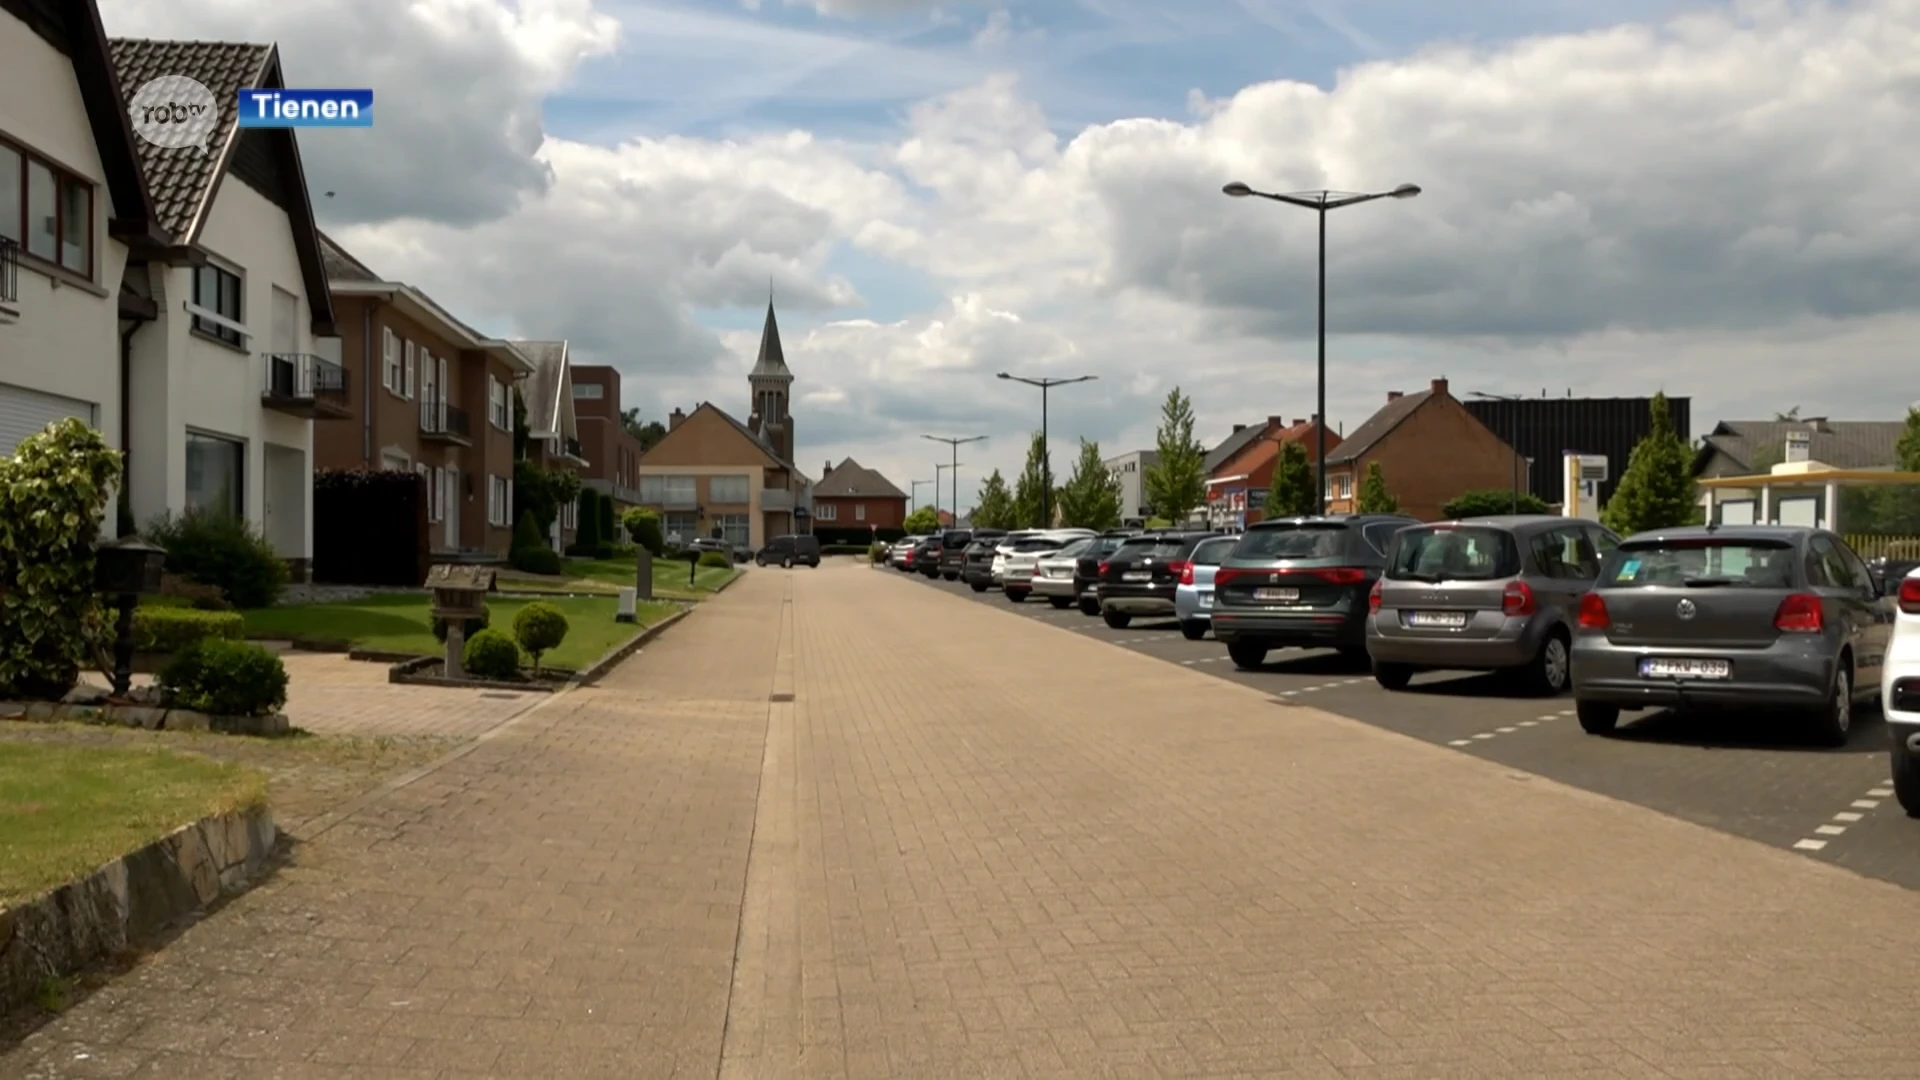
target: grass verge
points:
(67, 810)
(609, 576)
(402, 623)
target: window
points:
(1310, 541)
(653, 490)
(680, 490)
(1723, 561)
(394, 461)
(215, 474)
(390, 359)
(1567, 553)
(1209, 553)
(425, 473)
(1603, 541)
(439, 502)
(46, 210)
(218, 290)
(734, 529)
(859, 511)
(429, 385)
(825, 511)
(1473, 553)
(570, 515)
(409, 368)
(731, 490)
(1380, 534)
(591, 391)
(684, 526)
(1339, 485)
(499, 500)
(499, 404)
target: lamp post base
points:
(123, 646)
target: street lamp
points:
(1513, 436)
(936, 493)
(1320, 202)
(955, 443)
(1046, 459)
(915, 497)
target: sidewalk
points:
(984, 847)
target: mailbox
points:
(128, 566)
(459, 592)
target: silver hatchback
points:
(1488, 594)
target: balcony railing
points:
(305, 385)
(9, 279)
(776, 500)
(573, 449)
(439, 420)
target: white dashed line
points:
(1809, 845)
(1506, 730)
(1517, 725)
(1840, 821)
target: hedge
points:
(857, 537)
(370, 527)
(175, 629)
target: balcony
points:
(776, 500)
(9, 281)
(444, 423)
(304, 385)
(574, 451)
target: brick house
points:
(553, 432)
(711, 472)
(427, 394)
(1430, 449)
(612, 453)
(1243, 468)
(851, 496)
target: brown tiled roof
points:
(1378, 426)
(182, 180)
(1230, 446)
(1844, 444)
(852, 479)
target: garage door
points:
(25, 413)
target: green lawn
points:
(610, 575)
(401, 623)
(67, 810)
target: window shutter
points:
(407, 372)
(387, 364)
(440, 379)
(439, 493)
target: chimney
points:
(674, 418)
(1297, 423)
(1439, 387)
(1275, 421)
(1818, 425)
(1238, 428)
(1799, 446)
(825, 470)
(1394, 395)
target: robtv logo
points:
(306, 108)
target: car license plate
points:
(1449, 619)
(1206, 599)
(1652, 668)
(1276, 594)
(1136, 575)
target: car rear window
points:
(1210, 552)
(1036, 544)
(1733, 562)
(1152, 547)
(1078, 547)
(1454, 553)
(1293, 541)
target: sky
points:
(1712, 200)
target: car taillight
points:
(1184, 569)
(1516, 599)
(1593, 612)
(1103, 567)
(1224, 575)
(1373, 599)
(1910, 596)
(1341, 575)
(1800, 614)
(1036, 571)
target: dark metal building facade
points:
(1543, 429)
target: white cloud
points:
(1718, 206)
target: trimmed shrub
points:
(586, 519)
(859, 536)
(538, 627)
(844, 549)
(223, 551)
(877, 553)
(491, 654)
(644, 526)
(1491, 502)
(226, 678)
(607, 529)
(530, 553)
(715, 559)
(470, 627)
(177, 629)
(351, 505)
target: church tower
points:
(772, 386)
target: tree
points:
(1374, 496)
(1291, 493)
(1178, 482)
(1031, 482)
(648, 433)
(1657, 490)
(1090, 499)
(1907, 450)
(922, 522)
(1491, 502)
(993, 505)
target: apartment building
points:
(611, 451)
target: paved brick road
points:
(982, 847)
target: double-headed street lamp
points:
(1321, 202)
(956, 444)
(1513, 435)
(1046, 458)
(937, 467)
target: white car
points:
(1900, 694)
(897, 554)
(1053, 573)
(1010, 545)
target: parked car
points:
(1487, 594)
(1193, 597)
(926, 557)
(789, 551)
(900, 553)
(1086, 569)
(1900, 690)
(1016, 569)
(1719, 616)
(976, 564)
(1140, 577)
(953, 547)
(1301, 583)
(1053, 573)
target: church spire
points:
(772, 359)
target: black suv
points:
(1086, 569)
(1302, 583)
(926, 557)
(790, 551)
(1140, 576)
(953, 552)
(976, 562)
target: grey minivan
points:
(1485, 594)
(1742, 616)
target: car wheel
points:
(1835, 719)
(1193, 629)
(1062, 602)
(1552, 668)
(1119, 620)
(1392, 676)
(786, 564)
(951, 577)
(1906, 775)
(977, 586)
(1015, 595)
(1089, 607)
(1247, 655)
(1597, 717)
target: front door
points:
(450, 505)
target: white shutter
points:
(389, 359)
(408, 371)
(440, 380)
(25, 413)
(439, 493)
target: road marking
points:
(1506, 730)
(1809, 845)
(1865, 804)
(1844, 818)
(1848, 815)
(1460, 742)
(1550, 716)
(1881, 793)
(1484, 735)
(1529, 723)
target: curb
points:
(607, 663)
(728, 584)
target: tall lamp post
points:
(1513, 436)
(938, 468)
(1320, 202)
(915, 498)
(1046, 456)
(956, 443)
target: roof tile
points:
(180, 179)
(851, 479)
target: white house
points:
(73, 204)
(226, 377)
